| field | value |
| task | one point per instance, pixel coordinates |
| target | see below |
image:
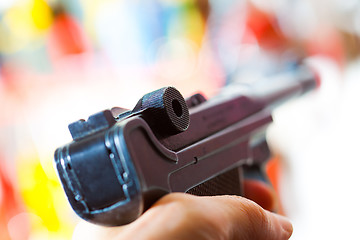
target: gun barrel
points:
(273, 90)
(238, 101)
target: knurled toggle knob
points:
(164, 110)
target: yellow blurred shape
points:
(42, 197)
(189, 23)
(41, 14)
(23, 24)
(194, 25)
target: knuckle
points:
(252, 222)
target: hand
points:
(183, 216)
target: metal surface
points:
(118, 167)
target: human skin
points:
(181, 216)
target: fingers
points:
(182, 216)
(249, 221)
(262, 194)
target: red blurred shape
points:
(273, 171)
(10, 206)
(327, 42)
(264, 27)
(66, 36)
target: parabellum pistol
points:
(121, 161)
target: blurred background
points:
(63, 60)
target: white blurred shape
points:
(5, 4)
(318, 137)
(119, 34)
(19, 227)
(176, 59)
(85, 230)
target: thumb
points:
(247, 220)
(218, 217)
(183, 216)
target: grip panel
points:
(227, 183)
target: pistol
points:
(122, 161)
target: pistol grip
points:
(227, 183)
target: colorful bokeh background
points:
(63, 60)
